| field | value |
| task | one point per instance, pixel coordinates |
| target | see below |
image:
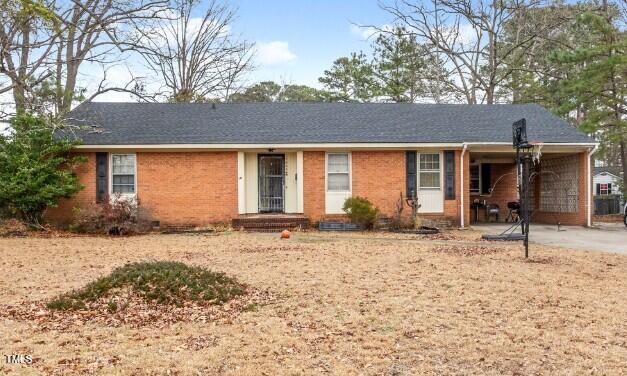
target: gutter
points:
(313, 146)
(461, 178)
(589, 184)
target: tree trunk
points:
(19, 90)
(623, 160)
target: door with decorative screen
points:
(271, 183)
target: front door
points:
(271, 183)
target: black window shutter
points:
(598, 189)
(486, 178)
(101, 176)
(609, 188)
(449, 175)
(411, 181)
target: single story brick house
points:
(194, 164)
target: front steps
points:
(270, 222)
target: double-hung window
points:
(604, 188)
(429, 171)
(338, 172)
(123, 174)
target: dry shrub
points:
(163, 282)
(118, 216)
(465, 250)
(13, 228)
(146, 293)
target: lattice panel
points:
(559, 185)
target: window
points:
(123, 173)
(429, 171)
(481, 179)
(449, 175)
(338, 172)
(475, 179)
(604, 189)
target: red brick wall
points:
(188, 188)
(87, 175)
(380, 177)
(201, 187)
(178, 189)
(313, 184)
(376, 175)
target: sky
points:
(295, 41)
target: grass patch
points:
(162, 282)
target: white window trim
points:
(441, 170)
(111, 175)
(472, 193)
(350, 171)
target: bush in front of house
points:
(36, 170)
(360, 211)
(162, 282)
(115, 216)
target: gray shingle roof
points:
(614, 170)
(290, 123)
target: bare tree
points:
(50, 45)
(26, 40)
(94, 30)
(197, 58)
(467, 34)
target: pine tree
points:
(599, 86)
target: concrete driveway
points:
(607, 237)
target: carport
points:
(561, 191)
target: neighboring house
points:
(607, 181)
(193, 164)
(606, 187)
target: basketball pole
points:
(523, 169)
(525, 159)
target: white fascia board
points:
(313, 146)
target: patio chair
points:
(492, 210)
(514, 211)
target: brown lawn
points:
(344, 304)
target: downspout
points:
(589, 185)
(461, 178)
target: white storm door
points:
(430, 178)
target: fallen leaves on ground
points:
(134, 311)
(465, 250)
(371, 303)
(273, 248)
(13, 228)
